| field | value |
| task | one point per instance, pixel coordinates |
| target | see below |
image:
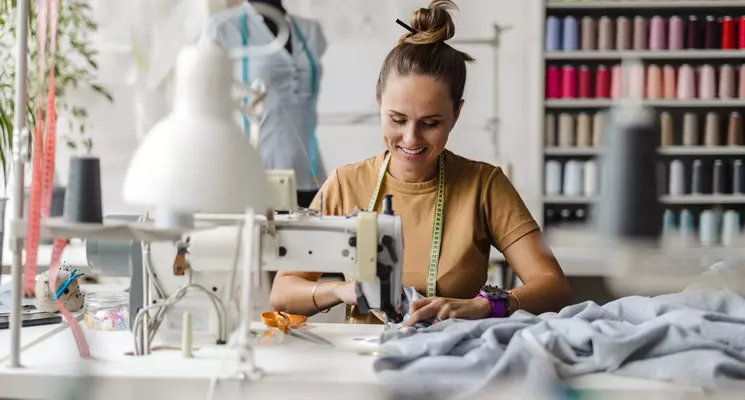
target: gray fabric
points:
(694, 337)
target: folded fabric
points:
(694, 338)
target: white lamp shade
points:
(197, 159)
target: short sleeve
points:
(506, 215)
(321, 44)
(332, 196)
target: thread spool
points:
(83, 194)
(570, 34)
(731, 228)
(728, 33)
(741, 86)
(711, 33)
(616, 84)
(697, 177)
(738, 177)
(566, 130)
(640, 33)
(553, 178)
(605, 34)
(727, 84)
(687, 227)
(186, 336)
(654, 82)
(667, 130)
(719, 184)
(590, 178)
(553, 34)
(636, 81)
(589, 34)
(550, 130)
(670, 89)
(734, 130)
(568, 82)
(693, 33)
(741, 32)
(686, 83)
(711, 133)
(707, 228)
(677, 178)
(623, 34)
(584, 130)
(597, 128)
(585, 86)
(572, 178)
(690, 129)
(668, 223)
(657, 33)
(553, 82)
(602, 82)
(676, 37)
(708, 86)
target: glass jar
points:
(107, 311)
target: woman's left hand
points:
(441, 308)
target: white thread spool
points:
(552, 184)
(677, 178)
(572, 178)
(707, 228)
(730, 228)
(590, 179)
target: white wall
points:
(351, 66)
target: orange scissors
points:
(290, 324)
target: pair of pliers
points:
(67, 282)
(287, 324)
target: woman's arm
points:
(293, 293)
(545, 287)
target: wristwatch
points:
(499, 299)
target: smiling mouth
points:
(413, 152)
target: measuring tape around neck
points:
(437, 221)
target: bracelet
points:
(517, 299)
(313, 297)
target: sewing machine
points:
(367, 245)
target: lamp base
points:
(172, 219)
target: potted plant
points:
(75, 68)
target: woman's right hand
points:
(345, 292)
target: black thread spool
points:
(83, 197)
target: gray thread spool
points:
(718, 185)
(738, 178)
(690, 129)
(83, 196)
(677, 178)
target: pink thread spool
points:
(569, 82)
(585, 89)
(553, 83)
(616, 85)
(670, 82)
(602, 82)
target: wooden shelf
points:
(637, 4)
(605, 103)
(568, 200)
(571, 151)
(702, 151)
(646, 55)
(704, 199)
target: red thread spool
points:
(569, 82)
(728, 33)
(741, 32)
(553, 83)
(602, 82)
(585, 89)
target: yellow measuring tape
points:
(434, 251)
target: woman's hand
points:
(345, 292)
(442, 308)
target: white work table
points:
(293, 367)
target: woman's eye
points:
(398, 121)
(431, 124)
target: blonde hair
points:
(424, 51)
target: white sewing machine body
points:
(298, 241)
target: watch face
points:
(492, 291)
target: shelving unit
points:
(580, 103)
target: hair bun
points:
(432, 24)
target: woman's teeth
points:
(413, 151)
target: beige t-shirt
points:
(482, 209)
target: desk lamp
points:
(196, 159)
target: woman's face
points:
(417, 116)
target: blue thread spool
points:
(570, 39)
(730, 228)
(686, 224)
(668, 223)
(553, 34)
(707, 228)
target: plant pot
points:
(83, 197)
(58, 206)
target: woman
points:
(292, 77)
(420, 91)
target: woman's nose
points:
(410, 134)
